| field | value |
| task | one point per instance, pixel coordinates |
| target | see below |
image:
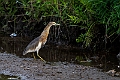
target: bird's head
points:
(53, 23)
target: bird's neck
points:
(47, 28)
(46, 31)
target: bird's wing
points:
(32, 44)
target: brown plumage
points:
(38, 42)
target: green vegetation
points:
(105, 14)
(100, 19)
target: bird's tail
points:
(24, 52)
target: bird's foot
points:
(41, 58)
(34, 56)
(44, 60)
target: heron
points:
(36, 44)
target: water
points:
(55, 53)
(49, 52)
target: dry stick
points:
(105, 36)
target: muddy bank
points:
(31, 69)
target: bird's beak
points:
(57, 24)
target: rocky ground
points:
(31, 69)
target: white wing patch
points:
(36, 49)
(39, 46)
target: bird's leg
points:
(40, 57)
(34, 56)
